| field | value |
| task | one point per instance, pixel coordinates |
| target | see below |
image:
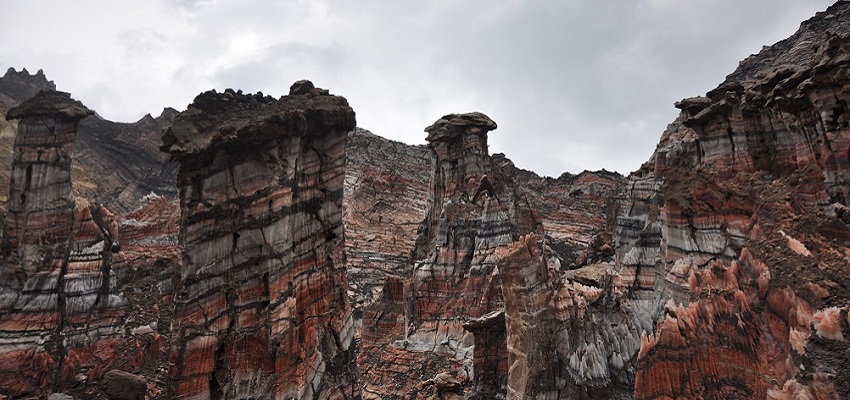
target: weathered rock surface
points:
(64, 315)
(114, 164)
(578, 213)
(120, 385)
(261, 304)
(38, 290)
(416, 330)
(719, 269)
(386, 198)
(747, 242)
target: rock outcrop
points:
(64, 317)
(261, 303)
(416, 330)
(113, 164)
(749, 242)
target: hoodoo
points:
(476, 207)
(261, 304)
(59, 311)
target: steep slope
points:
(753, 241)
(386, 197)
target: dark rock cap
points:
(453, 125)
(218, 119)
(305, 87)
(50, 103)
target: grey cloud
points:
(573, 85)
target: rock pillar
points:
(261, 307)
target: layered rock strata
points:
(386, 197)
(416, 330)
(261, 304)
(63, 315)
(113, 164)
(754, 247)
(38, 241)
(578, 213)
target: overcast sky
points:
(572, 84)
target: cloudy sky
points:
(572, 84)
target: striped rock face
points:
(59, 312)
(753, 231)
(261, 303)
(416, 331)
(386, 197)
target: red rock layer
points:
(261, 305)
(63, 315)
(578, 213)
(752, 180)
(476, 208)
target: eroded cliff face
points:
(386, 198)
(65, 318)
(719, 269)
(753, 183)
(261, 303)
(416, 330)
(731, 250)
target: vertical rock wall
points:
(261, 304)
(61, 315)
(754, 236)
(416, 330)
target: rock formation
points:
(752, 180)
(113, 164)
(64, 316)
(416, 330)
(719, 269)
(386, 197)
(40, 296)
(261, 303)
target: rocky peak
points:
(20, 86)
(801, 47)
(459, 144)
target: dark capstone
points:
(50, 103)
(305, 87)
(301, 87)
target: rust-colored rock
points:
(67, 315)
(476, 207)
(748, 240)
(261, 304)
